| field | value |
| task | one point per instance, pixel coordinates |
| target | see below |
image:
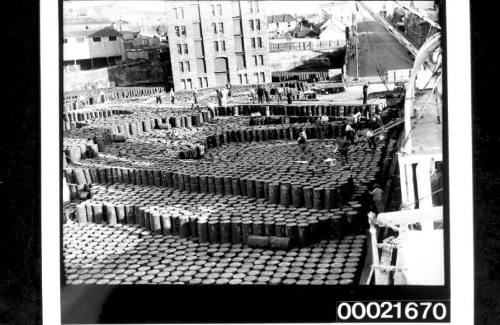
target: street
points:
(377, 48)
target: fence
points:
(307, 45)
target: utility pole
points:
(357, 57)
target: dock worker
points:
(302, 142)
(218, 93)
(266, 94)
(350, 133)
(260, 93)
(370, 136)
(172, 95)
(195, 95)
(356, 117)
(365, 93)
(288, 95)
(378, 198)
(252, 93)
(343, 148)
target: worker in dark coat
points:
(260, 94)
(343, 149)
(365, 93)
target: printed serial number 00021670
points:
(397, 310)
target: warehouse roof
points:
(280, 18)
(86, 21)
(103, 32)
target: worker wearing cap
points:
(365, 93)
(378, 198)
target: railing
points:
(306, 45)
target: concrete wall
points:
(113, 76)
(89, 79)
(284, 61)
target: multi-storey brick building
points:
(213, 43)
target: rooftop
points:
(86, 21)
(280, 18)
(103, 32)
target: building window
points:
(187, 66)
(289, 24)
(200, 66)
(183, 30)
(251, 5)
(223, 45)
(177, 33)
(176, 13)
(198, 48)
(261, 57)
(212, 8)
(182, 12)
(185, 48)
(195, 11)
(183, 82)
(214, 28)
(252, 41)
(112, 38)
(251, 24)
(256, 6)
(196, 30)
(236, 8)
(179, 49)
(260, 42)
(240, 77)
(255, 60)
(206, 81)
(262, 77)
(238, 44)
(240, 61)
(200, 82)
(237, 26)
(190, 84)
(219, 8)
(257, 24)
(80, 39)
(246, 78)
(96, 39)
(221, 27)
(256, 77)
(65, 40)
(277, 25)
(181, 66)
(216, 46)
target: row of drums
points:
(78, 100)
(140, 126)
(125, 254)
(281, 132)
(334, 110)
(214, 219)
(325, 195)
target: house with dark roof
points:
(93, 48)
(305, 29)
(281, 24)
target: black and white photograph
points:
(255, 144)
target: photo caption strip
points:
(393, 311)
